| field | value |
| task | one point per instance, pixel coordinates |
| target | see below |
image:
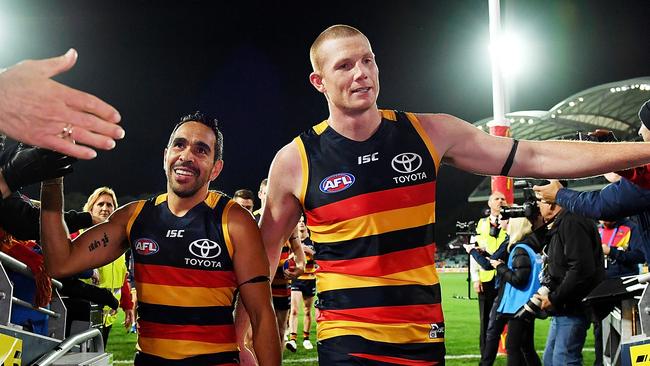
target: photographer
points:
(574, 266)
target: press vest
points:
(489, 243)
(513, 298)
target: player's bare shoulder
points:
(444, 129)
(286, 168)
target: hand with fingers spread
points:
(39, 111)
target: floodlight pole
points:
(499, 126)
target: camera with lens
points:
(528, 209)
(464, 232)
(596, 136)
(533, 307)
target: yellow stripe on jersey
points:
(185, 296)
(427, 141)
(373, 224)
(390, 333)
(426, 276)
(224, 227)
(160, 199)
(179, 349)
(305, 169)
(212, 198)
(319, 128)
(136, 212)
(388, 114)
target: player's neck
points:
(355, 126)
(179, 206)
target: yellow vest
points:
(489, 243)
(111, 276)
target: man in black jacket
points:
(574, 266)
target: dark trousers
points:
(493, 335)
(520, 343)
(485, 302)
(598, 343)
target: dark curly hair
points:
(207, 120)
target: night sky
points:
(248, 64)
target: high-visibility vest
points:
(488, 243)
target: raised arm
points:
(282, 209)
(466, 147)
(97, 246)
(251, 269)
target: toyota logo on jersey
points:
(406, 163)
(205, 248)
(336, 183)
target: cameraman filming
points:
(574, 266)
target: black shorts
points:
(307, 287)
(357, 351)
(225, 358)
(281, 302)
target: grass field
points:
(461, 321)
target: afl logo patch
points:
(146, 246)
(336, 183)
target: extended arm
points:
(250, 263)
(466, 147)
(95, 247)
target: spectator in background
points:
(621, 245)
(261, 194)
(245, 198)
(491, 234)
(303, 291)
(574, 266)
(519, 281)
(39, 111)
(113, 276)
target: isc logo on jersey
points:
(336, 183)
(146, 246)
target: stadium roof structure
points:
(613, 106)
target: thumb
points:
(53, 66)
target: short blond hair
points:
(518, 228)
(95, 196)
(333, 32)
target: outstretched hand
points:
(548, 192)
(37, 110)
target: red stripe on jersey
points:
(369, 203)
(384, 264)
(417, 314)
(174, 276)
(201, 333)
(394, 360)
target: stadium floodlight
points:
(508, 50)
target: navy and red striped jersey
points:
(185, 281)
(370, 209)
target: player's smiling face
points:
(189, 159)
